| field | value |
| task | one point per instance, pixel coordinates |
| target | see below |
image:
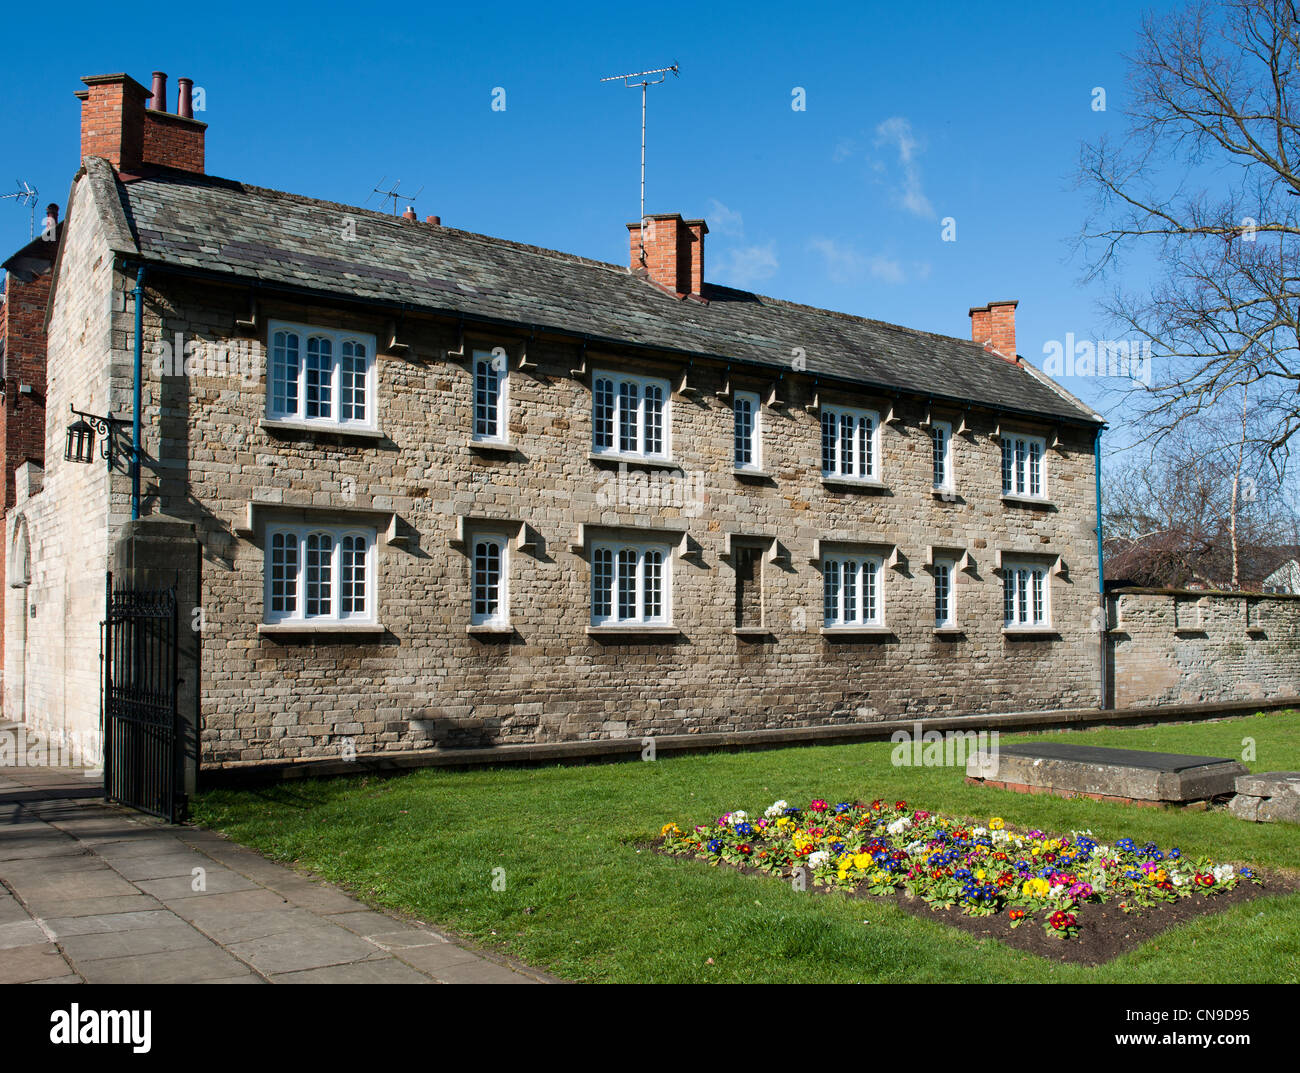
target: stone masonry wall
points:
(426, 681)
(52, 676)
(1188, 647)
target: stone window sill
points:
(632, 631)
(493, 447)
(751, 474)
(277, 424)
(854, 484)
(614, 459)
(276, 628)
(857, 631)
(950, 631)
(1030, 633)
(1028, 501)
(947, 494)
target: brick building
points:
(444, 489)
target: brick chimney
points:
(116, 124)
(994, 327)
(674, 252)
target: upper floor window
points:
(629, 415)
(747, 411)
(1023, 467)
(1026, 598)
(321, 375)
(851, 591)
(490, 395)
(941, 455)
(630, 584)
(850, 443)
(488, 563)
(319, 574)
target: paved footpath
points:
(95, 894)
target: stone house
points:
(427, 488)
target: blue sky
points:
(914, 113)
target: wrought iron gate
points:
(141, 725)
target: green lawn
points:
(582, 901)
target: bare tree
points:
(1198, 508)
(1204, 187)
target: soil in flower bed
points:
(1105, 932)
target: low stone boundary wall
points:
(1189, 647)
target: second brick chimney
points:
(674, 252)
(117, 125)
(994, 327)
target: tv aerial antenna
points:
(25, 195)
(395, 194)
(647, 78)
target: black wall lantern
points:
(81, 437)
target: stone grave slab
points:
(1268, 797)
(1104, 774)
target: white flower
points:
(899, 826)
(913, 848)
(1055, 892)
(738, 818)
(1000, 836)
(979, 831)
(775, 810)
(816, 860)
(1222, 873)
(1180, 880)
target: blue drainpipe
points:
(1103, 646)
(135, 409)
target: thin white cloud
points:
(743, 266)
(896, 132)
(725, 221)
(846, 265)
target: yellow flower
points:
(879, 877)
(996, 824)
(862, 860)
(979, 874)
(1036, 888)
(669, 827)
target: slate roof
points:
(207, 224)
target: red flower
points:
(745, 848)
(1017, 914)
(900, 806)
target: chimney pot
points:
(435, 220)
(409, 214)
(184, 98)
(158, 96)
(52, 212)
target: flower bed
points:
(881, 848)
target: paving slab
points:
(101, 895)
(1268, 797)
(30, 964)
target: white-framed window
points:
(319, 574)
(630, 415)
(631, 584)
(491, 404)
(1024, 470)
(852, 590)
(1026, 595)
(747, 412)
(321, 376)
(489, 588)
(941, 455)
(945, 599)
(850, 443)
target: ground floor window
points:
(319, 574)
(630, 584)
(1026, 600)
(851, 593)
